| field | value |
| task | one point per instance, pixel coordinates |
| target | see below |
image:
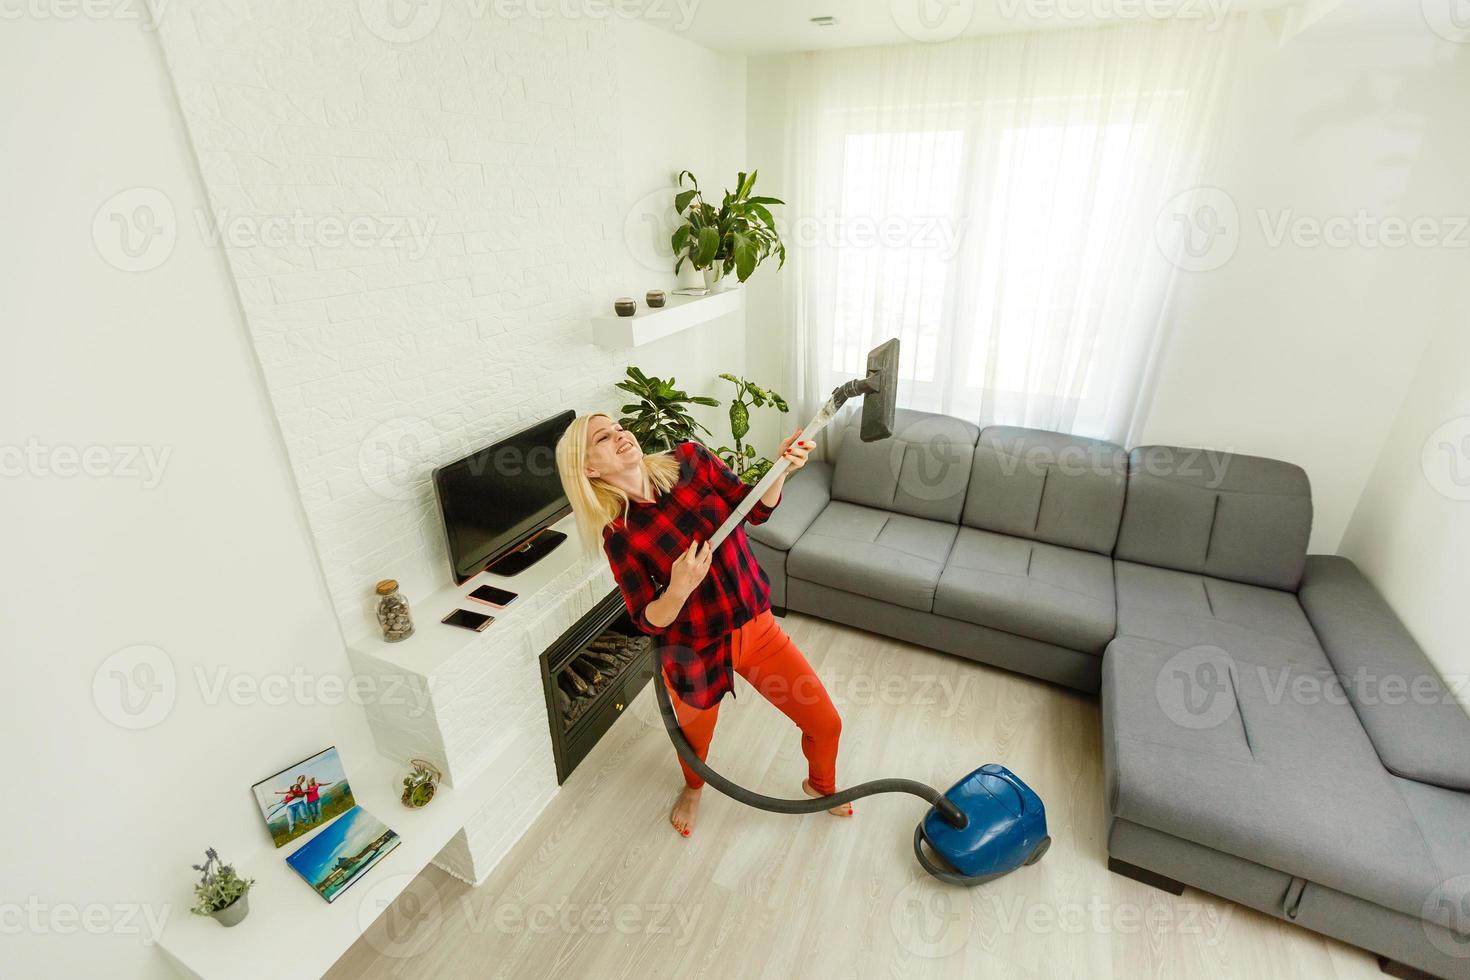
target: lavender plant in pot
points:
(220, 892)
(737, 236)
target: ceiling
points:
(784, 26)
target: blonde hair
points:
(595, 502)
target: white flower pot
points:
(712, 277)
(234, 913)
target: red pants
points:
(765, 656)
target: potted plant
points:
(659, 419)
(740, 234)
(220, 892)
(420, 783)
(742, 459)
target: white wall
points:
(1410, 531)
(499, 136)
(767, 320)
(211, 563)
(681, 107)
(1301, 351)
(208, 556)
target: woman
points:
(711, 612)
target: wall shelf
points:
(680, 313)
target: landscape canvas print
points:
(334, 859)
(306, 796)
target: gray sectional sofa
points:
(1271, 732)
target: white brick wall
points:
(480, 164)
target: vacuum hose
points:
(951, 813)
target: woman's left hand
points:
(795, 449)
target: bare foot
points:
(686, 808)
(845, 810)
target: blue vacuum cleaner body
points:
(1005, 828)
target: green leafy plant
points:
(219, 886)
(660, 419)
(742, 459)
(740, 234)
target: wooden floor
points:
(602, 886)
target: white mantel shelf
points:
(680, 313)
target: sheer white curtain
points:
(992, 202)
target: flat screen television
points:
(498, 502)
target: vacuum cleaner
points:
(986, 825)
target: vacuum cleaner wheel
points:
(946, 872)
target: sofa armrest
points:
(1412, 718)
(804, 495)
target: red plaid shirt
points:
(695, 647)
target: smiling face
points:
(610, 448)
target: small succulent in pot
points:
(220, 892)
(420, 784)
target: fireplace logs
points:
(592, 669)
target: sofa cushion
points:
(1237, 517)
(1047, 486)
(874, 553)
(1029, 588)
(1254, 625)
(1413, 719)
(1199, 748)
(803, 496)
(921, 470)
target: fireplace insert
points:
(591, 674)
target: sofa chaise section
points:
(1236, 757)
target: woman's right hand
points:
(690, 568)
